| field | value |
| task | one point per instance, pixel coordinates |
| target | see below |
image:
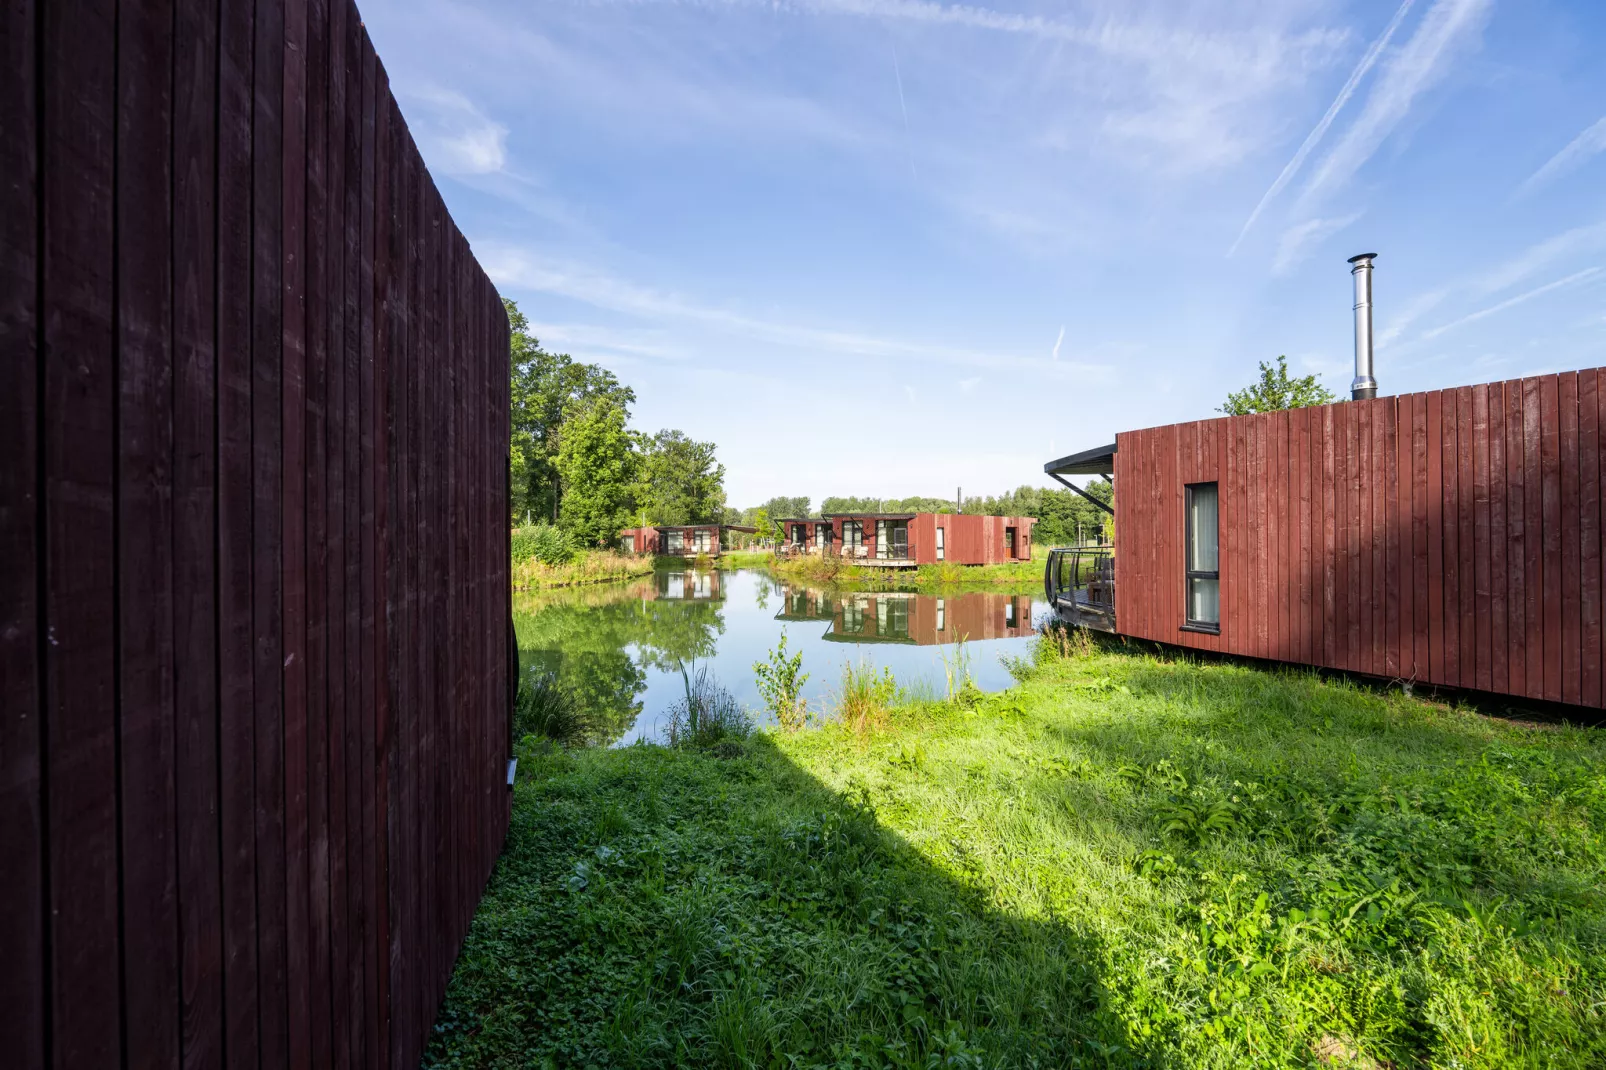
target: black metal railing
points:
(1081, 576)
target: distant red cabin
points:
(910, 539)
(1451, 537)
(678, 540)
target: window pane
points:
(1202, 523)
(1204, 601)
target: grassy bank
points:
(746, 559)
(836, 571)
(585, 567)
(1122, 862)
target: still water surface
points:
(622, 646)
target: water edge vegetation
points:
(1129, 859)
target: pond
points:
(621, 647)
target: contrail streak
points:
(1315, 136)
(908, 145)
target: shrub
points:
(708, 717)
(780, 681)
(545, 707)
(864, 697)
(545, 543)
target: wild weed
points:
(962, 687)
(1060, 640)
(864, 697)
(780, 682)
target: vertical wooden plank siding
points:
(253, 557)
(78, 458)
(1589, 538)
(1451, 537)
(149, 914)
(22, 843)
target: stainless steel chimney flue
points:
(1364, 385)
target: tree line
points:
(577, 463)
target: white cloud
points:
(1577, 276)
(1581, 148)
(518, 268)
(1297, 240)
(1409, 313)
(454, 136)
(1449, 27)
(1509, 271)
(1315, 136)
(967, 385)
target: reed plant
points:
(545, 708)
(707, 716)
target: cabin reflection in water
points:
(690, 586)
(902, 617)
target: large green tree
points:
(544, 387)
(598, 466)
(1275, 391)
(682, 482)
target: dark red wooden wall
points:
(1451, 537)
(253, 557)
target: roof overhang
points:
(1094, 462)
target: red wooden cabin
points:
(910, 539)
(678, 540)
(1451, 537)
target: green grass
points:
(745, 559)
(1123, 861)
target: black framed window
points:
(1203, 561)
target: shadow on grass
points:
(658, 907)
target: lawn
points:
(1123, 861)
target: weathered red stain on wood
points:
(252, 546)
(1451, 537)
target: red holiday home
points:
(678, 540)
(1451, 537)
(909, 539)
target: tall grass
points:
(708, 715)
(584, 568)
(544, 707)
(864, 697)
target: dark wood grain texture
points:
(253, 538)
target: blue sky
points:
(888, 247)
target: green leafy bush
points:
(780, 682)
